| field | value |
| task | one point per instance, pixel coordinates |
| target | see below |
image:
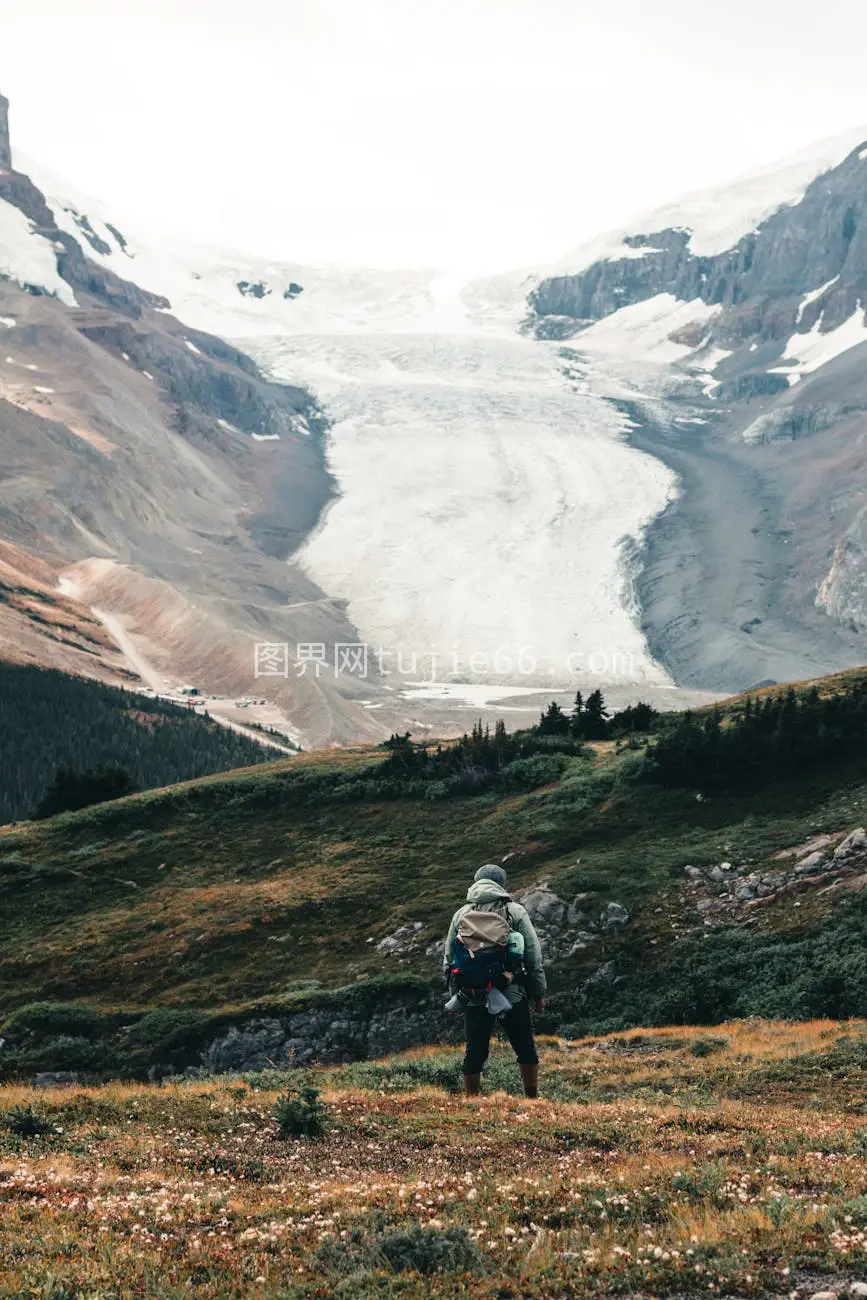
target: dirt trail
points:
(160, 686)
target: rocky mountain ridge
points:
(155, 474)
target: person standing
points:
(520, 988)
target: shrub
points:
(707, 1046)
(38, 1021)
(166, 1034)
(430, 1250)
(300, 1112)
(529, 773)
(24, 1122)
(857, 1210)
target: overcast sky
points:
(475, 134)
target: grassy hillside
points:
(229, 895)
(49, 719)
(666, 1163)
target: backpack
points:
(479, 952)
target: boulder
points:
(856, 842)
(604, 975)
(402, 940)
(815, 845)
(613, 915)
(812, 865)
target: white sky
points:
(475, 134)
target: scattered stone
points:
(824, 1295)
(858, 1290)
(704, 904)
(694, 873)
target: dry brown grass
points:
(712, 1174)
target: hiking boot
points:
(530, 1080)
(472, 1085)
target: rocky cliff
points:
(817, 246)
(5, 147)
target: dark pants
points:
(518, 1025)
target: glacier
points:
(486, 505)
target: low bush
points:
(402, 1250)
(430, 1250)
(24, 1122)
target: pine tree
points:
(553, 722)
(595, 724)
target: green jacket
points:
(482, 893)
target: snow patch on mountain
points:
(29, 258)
(719, 217)
(814, 349)
(643, 331)
(813, 296)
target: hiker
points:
(493, 961)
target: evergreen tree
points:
(554, 722)
(51, 720)
(595, 719)
(634, 719)
(71, 790)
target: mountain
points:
(639, 466)
(154, 484)
(736, 321)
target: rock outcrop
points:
(760, 282)
(331, 1036)
(5, 147)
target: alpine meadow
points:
(433, 664)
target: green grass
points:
(215, 898)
